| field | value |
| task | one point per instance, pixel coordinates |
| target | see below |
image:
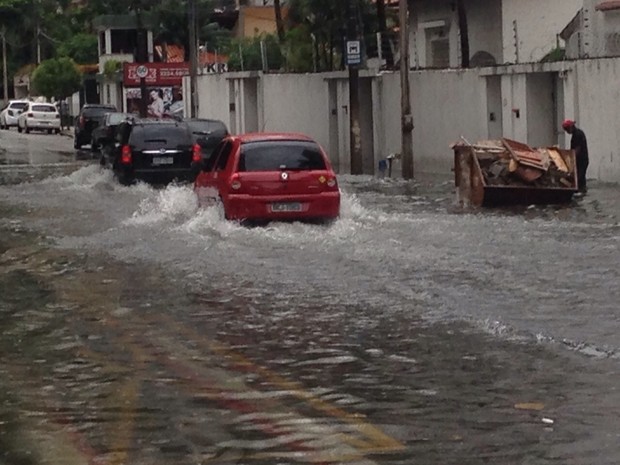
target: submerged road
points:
(137, 328)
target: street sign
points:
(354, 52)
(142, 71)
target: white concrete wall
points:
(538, 23)
(484, 20)
(595, 108)
(213, 95)
(427, 15)
(603, 35)
(514, 106)
(297, 103)
(446, 104)
(540, 110)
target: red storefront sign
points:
(155, 74)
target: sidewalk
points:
(69, 132)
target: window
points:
(155, 135)
(206, 127)
(437, 45)
(224, 156)
(116, 118)
(124, 41)
(96, 111)
(278, 155)
(18, 105)
(440, 50)
(44, 108)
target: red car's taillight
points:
(196, 153)
(235, 182)
(126, 155)
(331, 182)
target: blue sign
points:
(354, 52)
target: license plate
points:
(163, 160)
(286, 207)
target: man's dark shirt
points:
(579, 141)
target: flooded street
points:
(139, 329)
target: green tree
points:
(57, 78)
(245, 54)
(81, 48)
(299, 50)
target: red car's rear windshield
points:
(280, 155)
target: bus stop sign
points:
(354, 52)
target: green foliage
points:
(315, 31)
(298, 50)
(81, 48)
(57, 78)
(215, 36)
(557, 54)
(250, 49)
(111, 67)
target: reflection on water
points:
(139, 328)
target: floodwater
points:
(139, 329)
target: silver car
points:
(41, 116)
(10, 113)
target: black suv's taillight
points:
(126, 157)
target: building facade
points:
(499, 31)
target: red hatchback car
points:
(270, 176)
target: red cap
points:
(568, 123)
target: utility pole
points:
(353, 61)
(405, 101)
(5, 77)
(193, 59)
(142, 58)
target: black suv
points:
(90, 116)
(207, 133)
(157, 150)
(103, 135)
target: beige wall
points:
(255, 20)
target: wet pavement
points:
(137, 328)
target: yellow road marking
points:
(379, 441)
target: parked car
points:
(39, 116)
(270, 176)
(10, 113)
(90, 116)
(103, 135)
(158, 150)
(208, 133)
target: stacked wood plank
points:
(511, 163)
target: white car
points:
(10, 113)
(41, 116)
